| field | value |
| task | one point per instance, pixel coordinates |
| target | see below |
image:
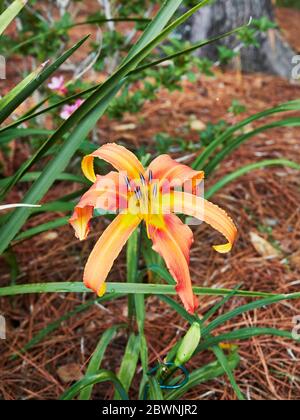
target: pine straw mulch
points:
(269, 366)
(287, 19)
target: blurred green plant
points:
(288, 3)
(237, 108)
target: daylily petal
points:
(108, 193)
(164, 168)
(201, 209)
(172, 240)
(80, 221)
(107, 250)
(118, 156)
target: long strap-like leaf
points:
(237, 142)
(249, 168)
(96, 378)
(24, 90)
(10, 13)
(97, 358)
(138, 288)
(202, 159)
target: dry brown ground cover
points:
(288, 20)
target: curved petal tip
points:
(223, 249)
(80, 221)
(102, 290)
(87, 166)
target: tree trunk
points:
(274, 55)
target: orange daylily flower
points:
(150, 195)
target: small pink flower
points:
(68, 110)
(57, 84)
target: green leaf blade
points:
(10, 13)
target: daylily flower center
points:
(144, 198)
(146, 193)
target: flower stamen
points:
(128, 183)
(150, 177)
(143, 180)
(138, 193)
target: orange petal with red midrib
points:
(172, 240)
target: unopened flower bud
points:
(188, 345)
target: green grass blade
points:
(12, 261)
(55, 206)
(30, 116)
(156, 26)
(241, 335)
(97, 358)
(39, 79)
(162, 272)
(222, 319)
(22, 132)
(237, 142)
(202, 159)
(45, 227)
(7, 99)
(129, 363)
(138, 288)
(10, 13)
(132, 259)
(249, 168)
(139, 300)
(33, 176)
(178, 308)
(87, 381)
(227, 369)
(219, 305)
(155, 392)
